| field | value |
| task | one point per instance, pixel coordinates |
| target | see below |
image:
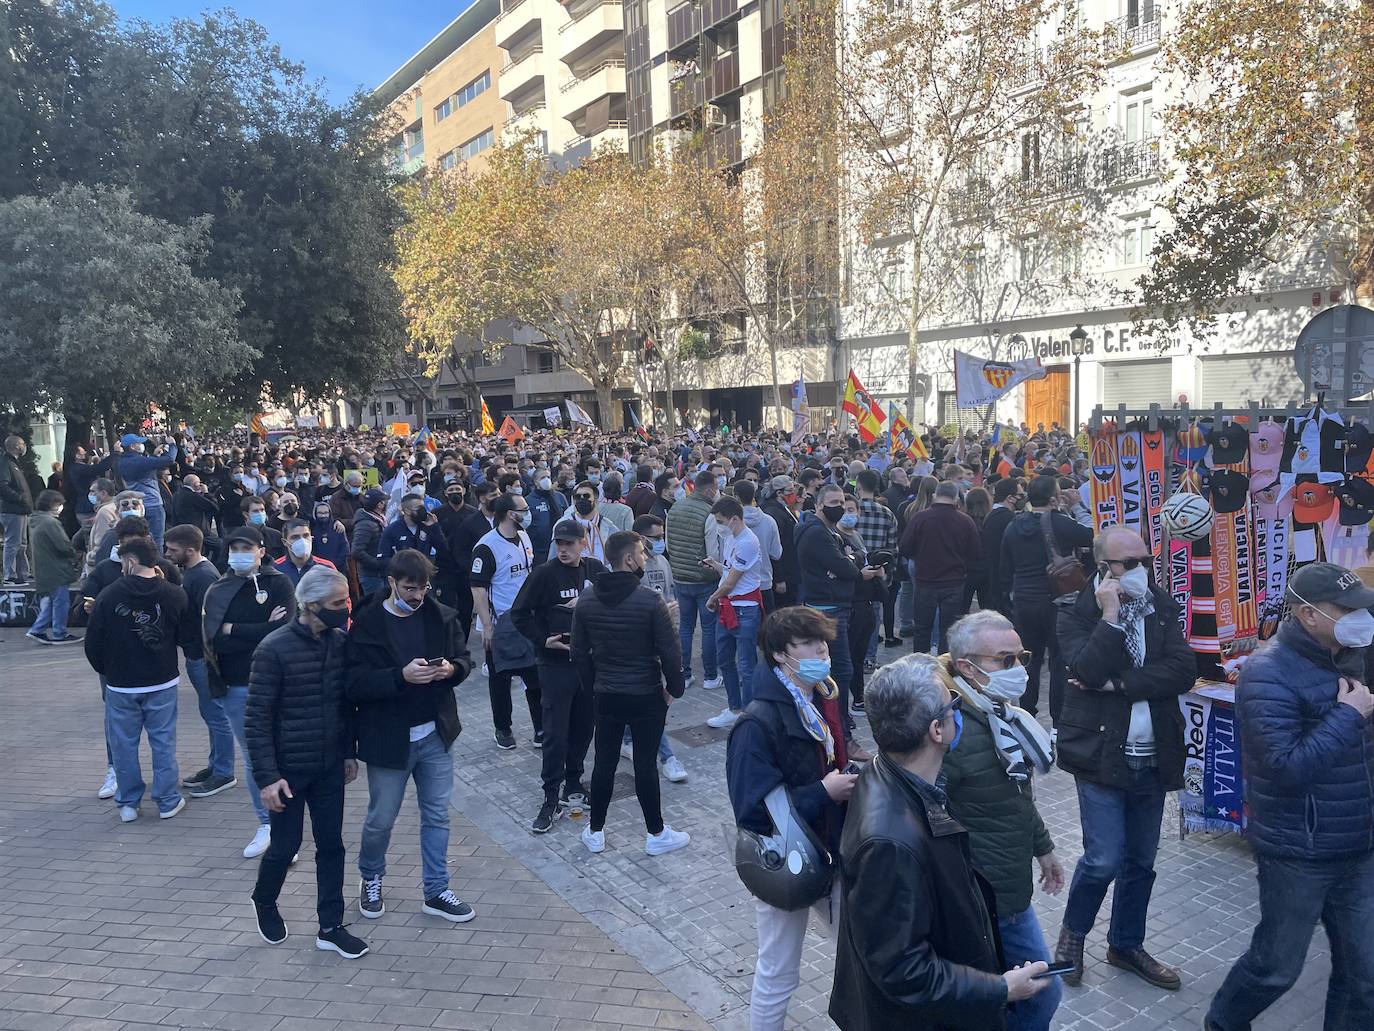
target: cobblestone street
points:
(110, 926)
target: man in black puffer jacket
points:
(625, 645)
(299, 729)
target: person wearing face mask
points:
(229, 498)
(414, 527)
(546, 508)
(240, 609)
(327, 537)
(1304, 715)
(584, 511)
(1121, 735)
(300, 557)
(790, 735)
(915, 966)
(300, 735)
(368, 523)
(344, 502)
(988, 782)
(255, 515)
(501, 563)
(737, 602)
(54, 570)
(780, 505)
(102, 498)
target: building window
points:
(1027, 258)
(1137, 240)
(1137, 114)
(410, 408)
(391, 408)
(476, 145)
(1030, 156)
(549, 362)
(448, 160)
(464, 96)
(455, 404)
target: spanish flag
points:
(902, 439)
(488, 427)
(868, 414)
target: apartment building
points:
(1085, 336)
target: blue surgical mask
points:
(656, 547)
(354, 490)
(402, 605)
(526, 518)
(243, 561)
(92, 498)
(128, 513)
(813, 671)
(958, 729)
(849, 520)
(594, 477)
(257, 518)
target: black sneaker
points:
(538, 739)
(449, 906)
(504, 739)
(869, 666)
(271, 927)
(548, 813)
(856, 707)
(337, 939)
(211, 785)
(64, 639)
(197, 778)
(370, 902)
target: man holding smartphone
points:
(542, 611)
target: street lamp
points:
(1077, 339)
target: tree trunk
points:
(108, 415)
(669, 411)
(915, 404)
(606, 415)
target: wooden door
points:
(1047, 400)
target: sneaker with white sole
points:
(724, 719)
(108, 789)
(167, 814)
(627, 750)
(271, 927)
(673, 769)
(128, 813)
(713, 683)
(666, 840)
(262, 837)
(594, 840)
(212, 785)
(38, 638)
(449, 906)
(370, 902)
(340, 940)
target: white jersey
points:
(501, 566)
(742, 555)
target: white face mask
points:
(1005, 684)
(1135, 583)
(300, 547)
(1354, 629)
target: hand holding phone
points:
(1054, 970)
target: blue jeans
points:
(53, 609)
(1294, 894)
(906, 599)
(127, 717)
(874, 638)
(216, 720)
(691, 604)
(235, 705)
(157, 521)
(1023, 942)
(16, 554)
(430, 763)
(737, 653)
(1120, 839)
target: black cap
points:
(1229, 490)
(569, 530)
(372, 496)
(1326, 581)
(251, 534)
(1230, 444)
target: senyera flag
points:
(868, 414)
(978, 382)
(488, 427)
(902, 439)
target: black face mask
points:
(455, 498)
(289, 510)
(584, 506)
(833, 513)
(333, 619)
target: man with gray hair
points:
(988, 781)
(916, 944)
(16, 505)
(299, 729)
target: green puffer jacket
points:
(1005, 830)
(685, 530)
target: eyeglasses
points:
(955, 704)
(1007, 660)
(1126, 563)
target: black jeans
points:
(1036, 622)
(942, 602)
(1294, 894)
(568, 717)
(890, 609)
(324, 794)
(498, 687)
(861, 624)
(645, 715)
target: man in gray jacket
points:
(765, 528)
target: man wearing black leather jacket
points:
(918, 947)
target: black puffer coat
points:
(624, 641)
(298, 720)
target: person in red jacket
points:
(941, 542)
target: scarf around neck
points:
(1023, 746)
(811, 719)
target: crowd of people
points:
(329, 591)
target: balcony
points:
(724, 147)
(1134, 32)
(521, 74)
(686, 95)
(724, 75)
(684, 25)
(1130, 162)
(590, 30)
(605, 79)
(516, 17)
(614, 132)
(1053, 181)
(713, 12)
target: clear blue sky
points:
(347, 43)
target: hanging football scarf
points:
(1180, 581)
(1202, 603)
(1154, 477)
(1106, 480)
(1228, 488)
(1128, 453)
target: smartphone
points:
(565, 638)
(434, 662)
(1055, 970)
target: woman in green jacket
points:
(54, 570)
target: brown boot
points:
(1070, 950)
(1146, 967)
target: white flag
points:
(554, 417)
(978, 382)
(577, 415)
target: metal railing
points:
(1136, 30)
(572, 84)
(1127, 162)
(588, 12)
(538, 48)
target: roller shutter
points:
(1237, 379)
(1137, 384)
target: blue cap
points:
(131, 438)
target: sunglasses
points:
(1008, 660)
(1126, 563)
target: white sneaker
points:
(714, 684)
(627, 751)
(261, 839)
(594, 840)
(107, 790)
(673, 769)
(128, 813)
(666, 840)
(725, 718)
(181, 804)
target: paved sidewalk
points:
(107, 926)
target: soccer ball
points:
(1187, 516)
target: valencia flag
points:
(902, 438)
(488, 427)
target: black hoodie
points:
(1024, 557)
(135, 628)
(623, 640)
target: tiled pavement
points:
(106, 925)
